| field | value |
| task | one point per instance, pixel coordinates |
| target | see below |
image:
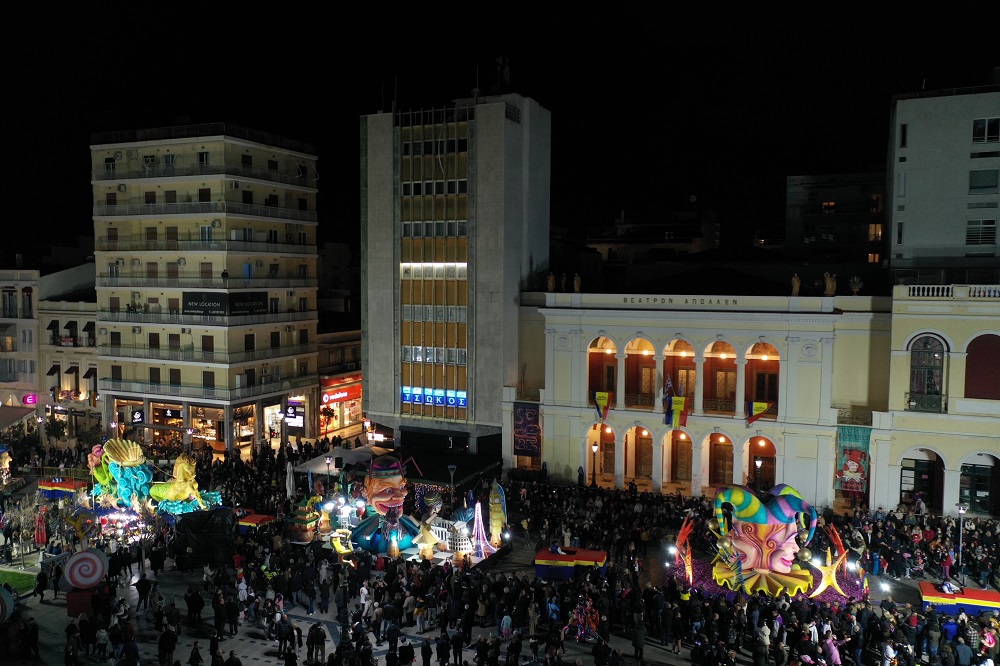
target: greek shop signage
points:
(670, 300)
(418, 395)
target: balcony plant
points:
(855, 284)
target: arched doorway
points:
(602, 369)
(927, 374)
(761, 449)
(639, 457)
(679, 461)
(720, 379)
(604, 437)
(720, 460)
(640, 374)
(922, 473)
(979, 484)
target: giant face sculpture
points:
(758, 547)
(385, 486)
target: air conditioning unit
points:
(182, 261)
(136, 295)
(259, 264)
(216, 223)
(102, 331)
(120, 262)
(291, 294)
(122, 187)
(118, 155)
(289, 329)
(136, 263)
(185, 330)
(234, 185)
(132, 153)
(137, 329)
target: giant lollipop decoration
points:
(87, 568)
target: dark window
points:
(154, 375)
(175, 376)
(902, 135)
(982, 372)
(247, 197)
(204, 195)
(272, 165)
(154, 340)
(116, 373)
(275, 339)
(208, 378)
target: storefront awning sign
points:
(54, 370)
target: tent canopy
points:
(351, 457)
(11, 415)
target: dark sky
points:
(640, 124)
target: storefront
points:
(130, 417)
(208, 426)
(341, 406)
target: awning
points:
(54, 370)
(71, 325)
(90, 374)
(53, 325)
(11, 415)
(88, 327)
(72, 370)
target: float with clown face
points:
(757, 540)
(385, 529)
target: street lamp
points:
(451, 470)
(329, 459)
(962, 508)
(594, 447)
(757, 461)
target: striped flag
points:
(755, 410)
(602, 400)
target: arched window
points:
(982, 371)
(927, 357)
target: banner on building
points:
(527, 430)
(852, 458)
(602, 402)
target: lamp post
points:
(329, 459)
(594, 447)
(451, 470)
(757, 461)
(962, 508)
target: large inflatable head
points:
(385, 487)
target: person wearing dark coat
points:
(426, 653)
(195, 659)
(406, 652)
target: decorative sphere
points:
(805, 554)
(713, 525)
(725, 543)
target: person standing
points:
(195, 659)
(41, 584)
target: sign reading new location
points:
(218, 304)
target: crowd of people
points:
(417, 610)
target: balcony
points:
(612, 396)
(710, 405)
(137, 208)
(70, 341)
(130, 244)
(203, 320)
(923, 402)
(189, 353)
(956, 291)
(269, 384)
(640, 400)
(194, 168)
(190, 282)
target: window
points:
(111, 199)
(150, 198)
(248, 197)
(981, 232)
(170, 196)
(873, 257)
(154, 341)
(109, 167)
(116, 373)
(203, 159)
(685, 382)
(175, 376)
(301, 171)
(902, 135)
(246, 160)
(986, 130)
(272, 165)
(208, 379)
(982, 372)
(271, 200)
(407, 355)
(900, 184)
(984, 181)
(204, 195)
(926, 367)
(829, 206)
(766, 387)
(874, 232)
(899, 233)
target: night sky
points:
(640, 123)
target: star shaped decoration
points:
(829, 578)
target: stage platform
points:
(562, 565)
(974, 601)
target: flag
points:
(755, 410)
(602, 400)
(676, 415)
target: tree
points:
(55, 428)
(327, 413)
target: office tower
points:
(454, 225)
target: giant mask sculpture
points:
(385, 530)
(758, 545)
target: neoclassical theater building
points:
(913, 379)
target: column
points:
(620, 381)
(660, 379)
(880, 475)
(696, 467)
(284, 426)
(473, 445)
(699, 386)
(741, 389)
(578, 378)
(949, 496)
(186, 424)
(258, 423)
(658, 467)
(550, 361)
(787, 379)
(620, 441)
(507, 426)
(739, 471)
(148, 418)
(227, 417)
(826, 381)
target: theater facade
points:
(687, 393)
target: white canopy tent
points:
(349, 456)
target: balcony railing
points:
(641, 400)
(194, 168)
(128, 244)
(922, 402)
(723, 406)
(269, 384)
(70, 341)
(203, 320)
(189, 353)
(854, 416)
(133, 209)
(141, 281)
